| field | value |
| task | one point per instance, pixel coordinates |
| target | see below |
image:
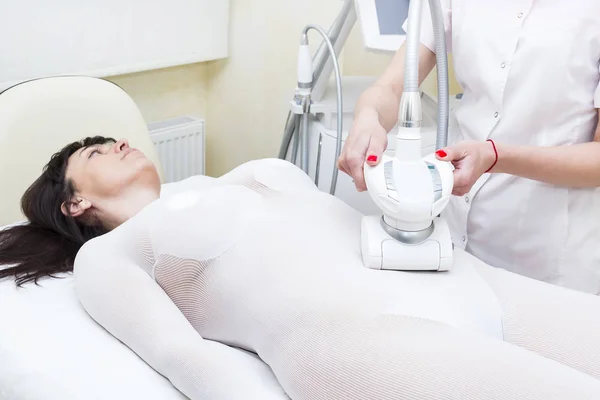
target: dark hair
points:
(47, 243)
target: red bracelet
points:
(495, 152)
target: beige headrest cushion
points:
(39, 117)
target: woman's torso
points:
(530, 73)
(262, 254)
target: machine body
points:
(411, 190)
(410, 235)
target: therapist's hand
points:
(366, 141)
(471, 159)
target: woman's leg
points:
(558, 323)
(406, 358)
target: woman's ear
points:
(76, 207)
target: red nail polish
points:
(372, 158)
(441, 153)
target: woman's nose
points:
(121, 145)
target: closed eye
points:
(95, 151)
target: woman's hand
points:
(471, 159)
(367, 141)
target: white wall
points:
(107, 37)
(249, 92)
(170, 92)
(245, 97)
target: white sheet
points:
(51, 349)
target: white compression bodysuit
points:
(261, 260)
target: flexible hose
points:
(319, 63)
(442, 74)
(413, 33)
(304, 141)
(296, 141)
(411, 71)
(288, 132)
(340, 116)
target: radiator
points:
(179, 143)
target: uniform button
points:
(520, 15)
(496, 114)
(464, 238)
(467, 199)
(503, 65)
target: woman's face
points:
(105, 172)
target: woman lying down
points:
(261, 260)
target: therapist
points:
(525, 140)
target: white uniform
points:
(261, 260)
(530, 74)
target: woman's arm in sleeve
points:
(130, 305)
(577, 165)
